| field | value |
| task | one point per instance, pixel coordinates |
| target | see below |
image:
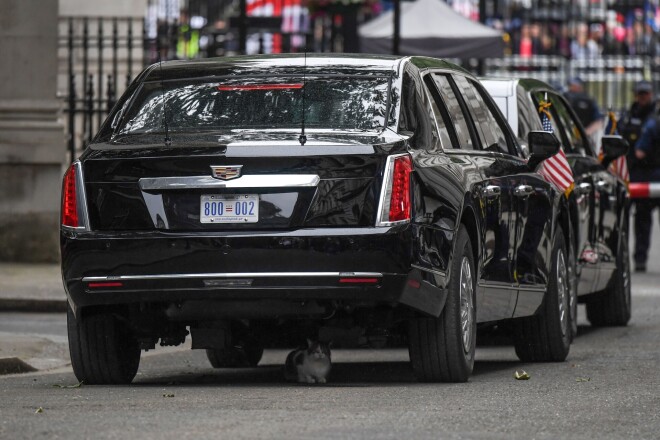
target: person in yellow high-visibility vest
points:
(188, 42)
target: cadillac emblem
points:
(227, 172)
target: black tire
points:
(102, 348)
(234, 357)
(438, 350)
(546, 337)
(613, 307)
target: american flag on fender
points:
(620, 166)
(555, 169)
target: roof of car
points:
(500, 86)
(506, 86)
(285, 63)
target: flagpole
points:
(396, 38)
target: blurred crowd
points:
(572, 29)
(583, 41)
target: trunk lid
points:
(136, 183)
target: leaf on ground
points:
(57, 385)
(39, 410)
(521, 375)
(168, 395)
(583, 379)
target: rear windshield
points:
(336, 102)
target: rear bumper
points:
(362, 266)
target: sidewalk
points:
(31, 288)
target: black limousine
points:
(599, 204)
(254, 201)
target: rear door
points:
(496, 294)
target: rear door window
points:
(576, 137)
(445, 126)
(458, 118)
(528, 117)
(489, 127)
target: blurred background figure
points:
(632, 121)
(526, 45)
(583, 46)
(585, 106)
(641, 127)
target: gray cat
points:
(309, 364)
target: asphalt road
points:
(609, 388)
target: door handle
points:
(584, 188)
(492, 191)
(523, 191)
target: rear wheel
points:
(546, 337)
(103, 350)
(442, 349)
(239, 347)
(612, 308)
(234, 357)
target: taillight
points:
(395, 203)
(69, 199)
(400, 199)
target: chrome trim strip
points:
(498, 286)
(81, 198)
(246, 181)
(433, 271)
(532, 289)
(384, 199)
(233, 275)
(512, 286)
(72, 229)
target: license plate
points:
(229, 208)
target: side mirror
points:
(613, 147)
(542, 145)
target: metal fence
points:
(100, 56)
(98, 59)
(609, 79)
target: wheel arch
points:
(469, 220)
(565, 219)
(571, 223)
(623, 222)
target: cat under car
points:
(309, 364)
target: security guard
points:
(642, 130)
(631, 123)
(585, 106)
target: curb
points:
(33, 305)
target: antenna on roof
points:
(168, 141)
(302, 138)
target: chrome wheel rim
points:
(467, 304)
(572, 289)
(562, 293)
(626, 272)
